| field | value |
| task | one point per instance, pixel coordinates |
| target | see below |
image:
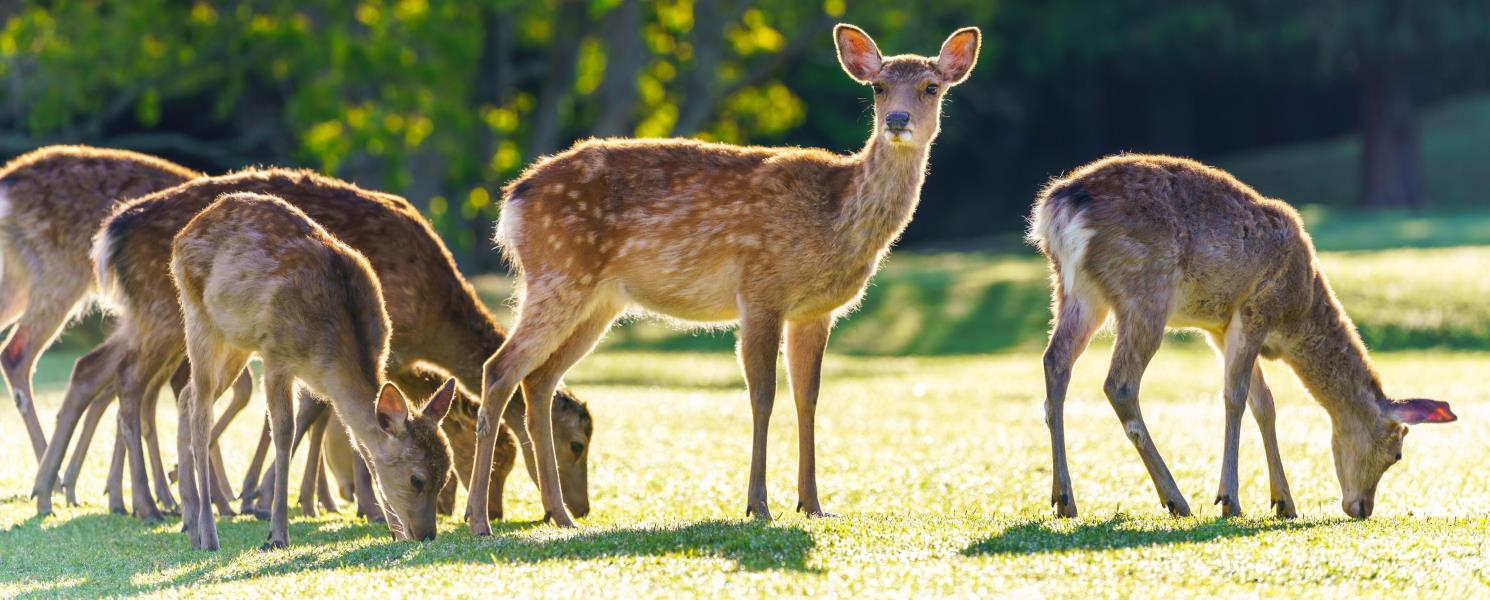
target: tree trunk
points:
(708, 49)
(1391, 162)
(558, 82)
(626, 56)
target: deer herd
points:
(350, 300)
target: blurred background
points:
(1373, 115)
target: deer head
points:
(1364, 453)
(908, 89)
(410, 459)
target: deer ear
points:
(393, 411)
(959, 54)
(856, 52)
(439, 404)
(1412, 412)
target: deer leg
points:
(805, 342)
(1242, 342)
(186, 479)
(215, 368)
(251, 479)
(37, 328)
(366, 498)
(1076, 321)
(152, 446)
(311, 478)
(279, 391)
(139, 372)
(547, 317)
(1139, 334)
(115, 485)
(323, 491)
(311, 408)
(80, 449)
(92, 376)
(1260, 398)
(540, 385)
(759, 343)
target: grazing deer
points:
(1160, 241)
(257, 276)
(437, 318)
(713, 233)
(45, 196)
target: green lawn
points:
(937, 466)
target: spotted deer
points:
(44, 196)
(256, 276)
(47, 276)
(438, 321)
(700, 232)
(1159, 241)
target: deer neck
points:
(355, 402)
(1327, 354)
(882, 195)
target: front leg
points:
(759, 343)
(1242, 342)
(1260, 398)
(279, 391)
(805, 342)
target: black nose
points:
(897, 120)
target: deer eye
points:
(931, 89)
(577, 447)
(879, 90)
(418, 483)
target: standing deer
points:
(712, 233)
(44, 196)
(1159, 241)
(257, 276)
(437, 318)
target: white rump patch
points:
(108, 285)
(1061, 230)
(509, 223)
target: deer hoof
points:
(273, 545)
(1065, 505)
(1177, 508)
(1229, 506)
(1284, 509)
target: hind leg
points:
(1077, 319)
(35, 331)
(80, 448)
(141, 371)
(255, 465)
(549, 313)
(1140, 330)
(92, 377)
(310, 481)
(152, 446)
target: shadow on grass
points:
(107, 555)
(1119, 532)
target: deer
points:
(772, 238)
(48, 276)
(1159, 241)
(256, 276)
(438, 320)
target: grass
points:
(937, 466)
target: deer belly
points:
(703, 295)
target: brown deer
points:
(712, 233)
(1160, 241)
(44, 196)
(257, 276)
(437, 318)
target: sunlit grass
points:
(937, 467)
